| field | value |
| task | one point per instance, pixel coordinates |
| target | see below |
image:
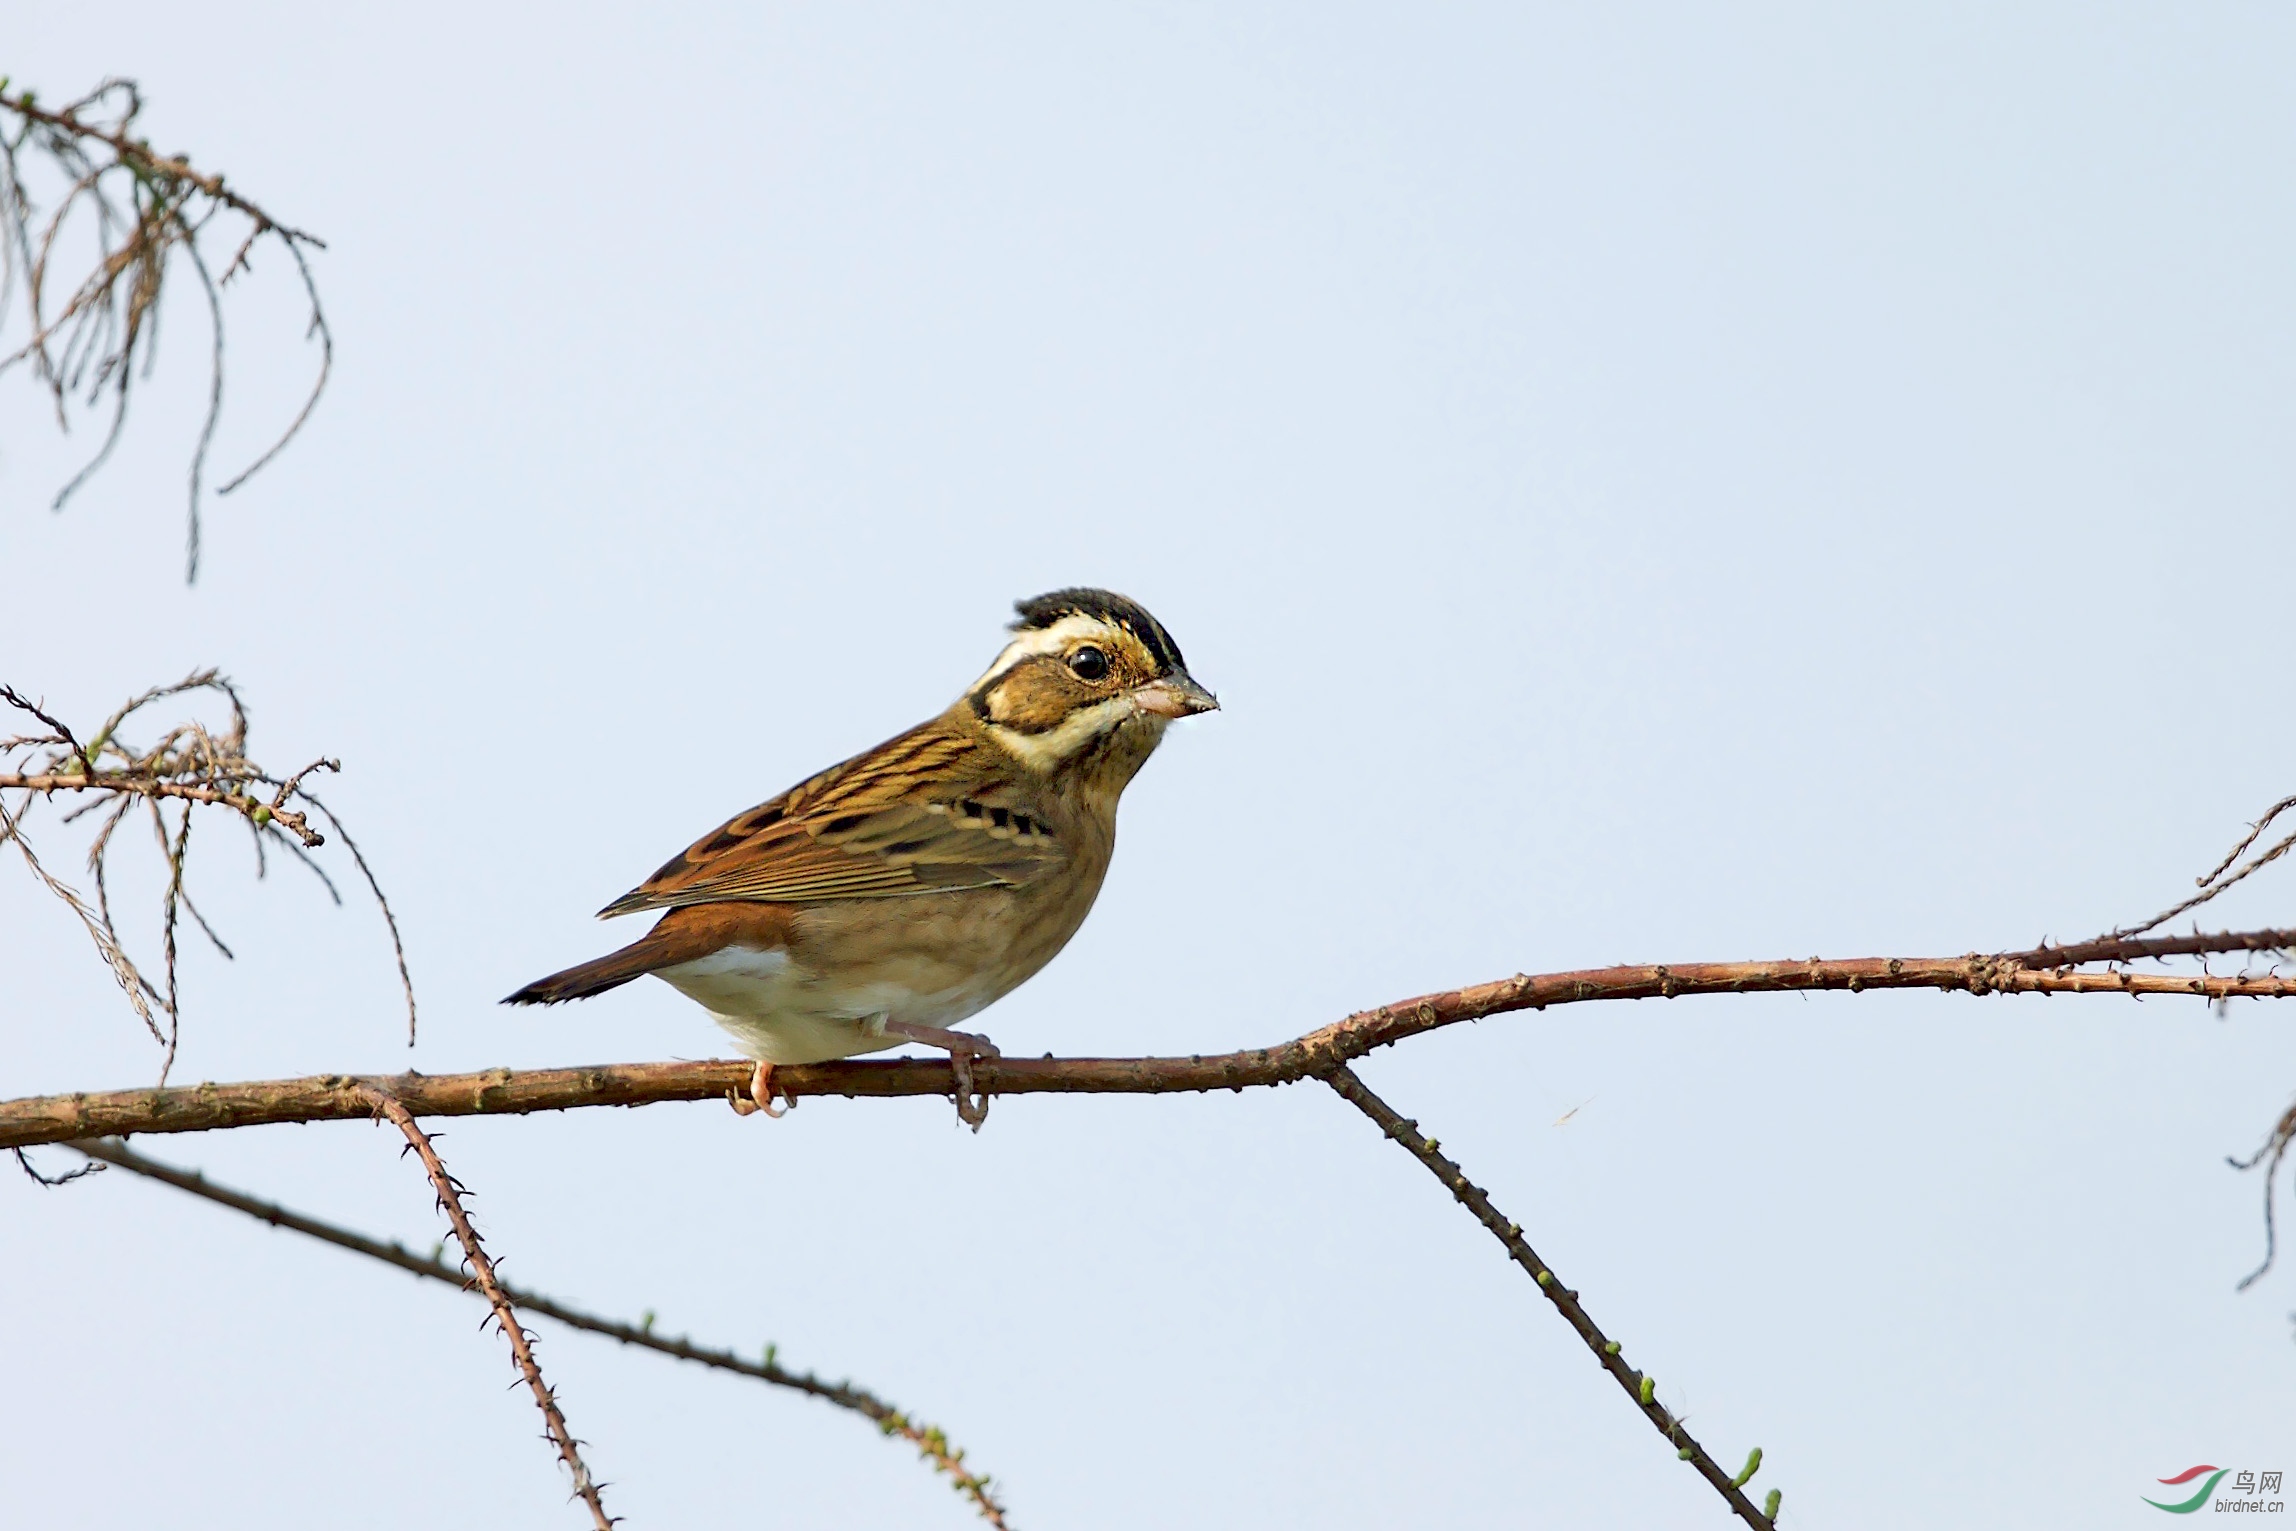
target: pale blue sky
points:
(1657, 483)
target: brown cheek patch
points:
(1037, 697)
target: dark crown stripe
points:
(1121, 611)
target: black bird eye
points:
(1088, 663)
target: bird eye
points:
(1088, 663)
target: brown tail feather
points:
(680, 936)
(595, 977)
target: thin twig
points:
(144, 207)
(503, 1091)
(318, 329)
(2275, 1148)
(1639, 1387)
(450, 1195)
(931, 1443)
(99, 928)
(24, 1163)
(2247, 840)
(358, 857)
(207, 930)
(62, 731)
(214, 401)
(170, 902)
(2215, 882)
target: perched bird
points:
(891, 897)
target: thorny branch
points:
(94, 337)
(1641, 1388)
(450, 1195)
(191, 766)
(932, 1443)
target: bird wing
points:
(932, 811)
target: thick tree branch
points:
(450, 1195)
(339, 1097)
(1642, 1389)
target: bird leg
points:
(964, 1047)
(959, 1043)
(760, 1094)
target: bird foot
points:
(972, 1104)
(760, 1095)
(964, 1047)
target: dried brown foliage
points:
(192, 768)
(105, 194)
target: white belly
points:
(778, 1012)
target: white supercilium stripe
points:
(1044, 640)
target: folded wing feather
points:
(928, 812)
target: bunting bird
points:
(893, 896)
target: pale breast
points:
(935, 959)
